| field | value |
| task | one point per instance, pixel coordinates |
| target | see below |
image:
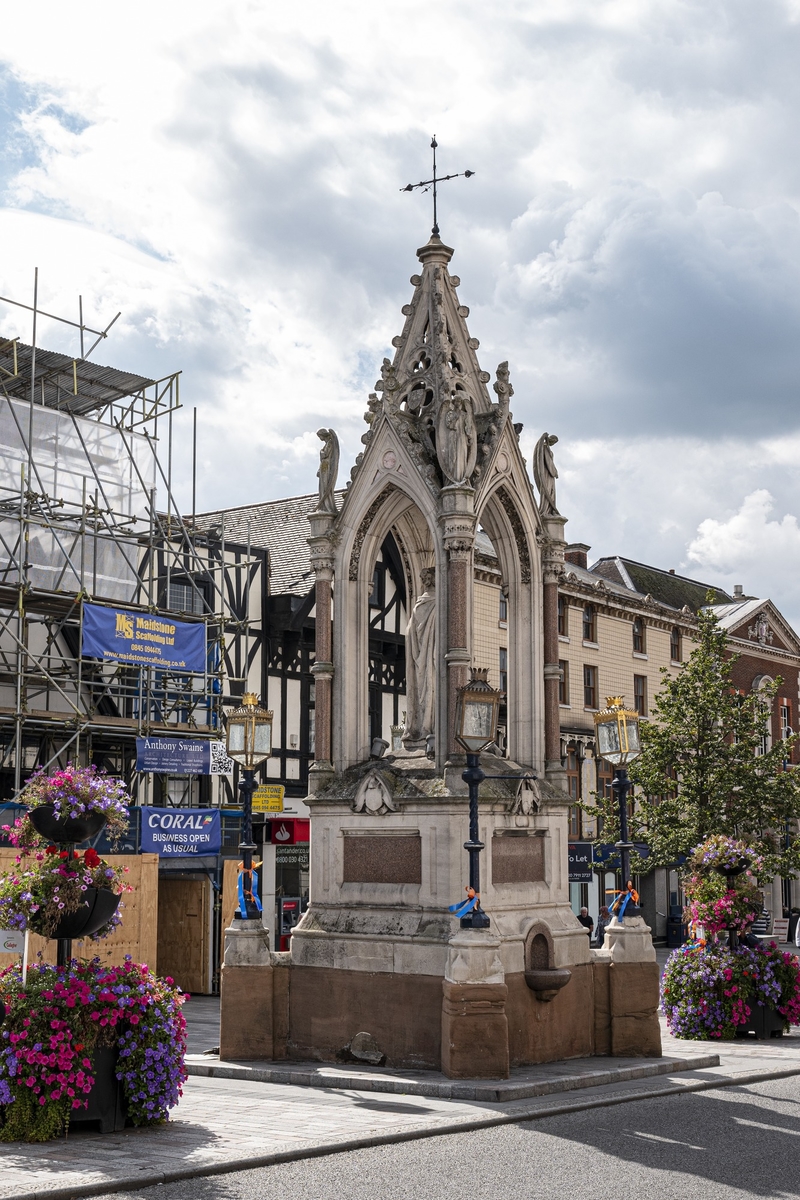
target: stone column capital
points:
(322, 568)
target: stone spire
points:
(435, 390)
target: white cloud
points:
(228, 175)
(752, 548)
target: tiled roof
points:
(280, 526)
(613, 586)
(674, 590)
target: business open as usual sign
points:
(180, 832)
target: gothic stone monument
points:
(378, 951)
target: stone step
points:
(541, 1080)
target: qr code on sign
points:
(220, 763)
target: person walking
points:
(602, 921)
(586, 920)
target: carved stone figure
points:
(420, 662)
(457, 438)
(328, 470)
(374, 795)
(528, 797)
(545, 474)
(760, 631)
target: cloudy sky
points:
(228, 175)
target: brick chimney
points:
(576, 553)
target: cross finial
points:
(427, 184)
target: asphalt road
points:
(727, 1143)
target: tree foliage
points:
(704, 769)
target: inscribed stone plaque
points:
(517, 860)
(383, 859)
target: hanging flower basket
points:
(65, 828)
(53, 890)
(726, 855)
(72, 804)
(97, 908)
(88, 1042)
(721, 890)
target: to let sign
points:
(580, 856)
(268, 798)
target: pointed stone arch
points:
(511, 523)
(400, 507)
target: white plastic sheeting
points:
(73, 458)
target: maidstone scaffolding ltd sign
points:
(144, 639)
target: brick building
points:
(645, 619)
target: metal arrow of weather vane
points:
(427, 184)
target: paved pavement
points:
(224, 1125)
(738, 1143)
(228, 1124)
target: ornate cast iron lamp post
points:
(248, 738)
(617, 731)
(476, 728)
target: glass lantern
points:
(476, 713)
(617, 732)
(248, 735)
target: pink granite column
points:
(323, 669)
(322, 561)
(552, 567)
(458, 656)
(552, 721)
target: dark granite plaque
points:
(517, 859)
(383, 859)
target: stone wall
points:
(312, 1013)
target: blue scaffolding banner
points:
(143, 638)
(182, 756)
(180, 832)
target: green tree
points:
(703, 769)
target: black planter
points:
(764, 1021)
(98, 906)
(732, 872)
(65, 829)
(106, 1100)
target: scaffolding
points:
(88, 513)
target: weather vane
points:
(427, 184)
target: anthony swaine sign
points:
(182, 756)
(180, 832)
(143, 638)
